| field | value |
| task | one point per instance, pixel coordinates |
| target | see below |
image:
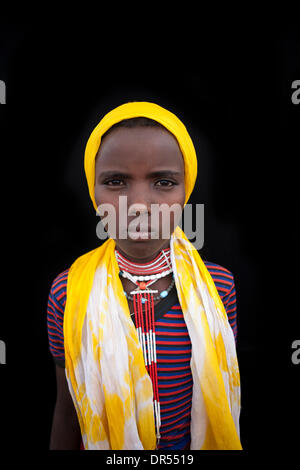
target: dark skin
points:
(134, 153)
(137, 153)
(65, 433)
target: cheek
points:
(169, 219)
(99, 195)
(177, 197)
(109, 203)
(104, 196)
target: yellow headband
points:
(151, 111)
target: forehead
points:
(139, 148)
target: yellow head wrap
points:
(105, 369)
(152, 111)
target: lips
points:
(143, 235)
(142, 231)
(135, 235)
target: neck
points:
(145, 259)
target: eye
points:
(169, 183)
(113, 181)
(117, 182)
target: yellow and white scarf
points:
(105, 368)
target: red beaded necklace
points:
(144, 275)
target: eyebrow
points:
(119, 174)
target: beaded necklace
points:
(144, 275)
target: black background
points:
(233, 92)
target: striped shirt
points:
(173, 349)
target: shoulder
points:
(60, 279)
(58, 295)
(58, 288)
(55, 316)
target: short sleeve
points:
(55, 317)
(230, 304)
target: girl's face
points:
(146, 165)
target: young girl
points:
(142, 330)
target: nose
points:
(139, 192)
(138, 199)
(138, 208)
(140, 212)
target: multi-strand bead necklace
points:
(144, 275)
